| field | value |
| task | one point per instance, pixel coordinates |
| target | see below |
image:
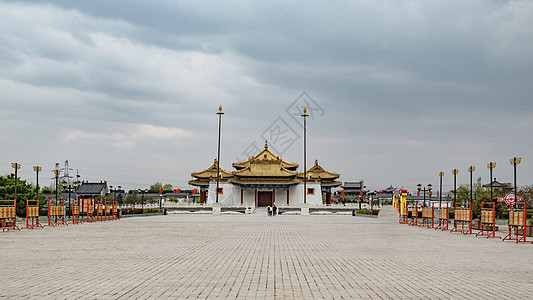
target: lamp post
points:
(15, 166)
(114, 191)
(441, 174)
(515, 161)
(424, 190)
(68, 186)
(491, 166)
(37, 169)
(219, 113)
(56, 173)
(305, 115)
(142, 192)
(455, 172)
(471, 169)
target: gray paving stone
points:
(260, 257)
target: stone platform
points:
(260, 257)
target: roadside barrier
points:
(32, 214)
(115, 211)
(90, 213)
(488, 220)
(517, 223)
(414, 215)
(428, 213)
(8, 215)
(444, 216)
(464, 217)
(76, 210)
(56, 214)
(99, 211)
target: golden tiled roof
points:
(199, 182)
(317, 172)
(266, 154)
(211, 172)
(264, 181)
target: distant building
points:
(90, 190)
(353, 187)
(499, 185)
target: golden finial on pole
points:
(305, 115)
(219, 113)
(515, 161)
(441, 174)
(491, 167)
(15, 166)
(305, 112)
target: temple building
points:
(265, 179)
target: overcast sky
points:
(128, 91)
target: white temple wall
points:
(248, 197)
(281, 197)
(297, 196)
(231, 194)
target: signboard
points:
(509, 199)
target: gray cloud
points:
(429, 85)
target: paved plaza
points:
(260, 257)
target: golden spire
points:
(305, 112)
(316, 162)
(220, 110)
(266, 144)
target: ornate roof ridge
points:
(320, 169)
(258, 155)
(212, 168)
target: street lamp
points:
(15, 166)
(441, 174)
(37, 169)
(471, 169)
(219, 113)
(56, 173)
(114, 191)
(455, 172)
(68, 186)
(142, 192)
(515, 161)
(419, 188)
(305, 115)
(491, 166)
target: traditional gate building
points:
(265, 179)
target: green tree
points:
(25, 191)
(156, 187)
(131, 199)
